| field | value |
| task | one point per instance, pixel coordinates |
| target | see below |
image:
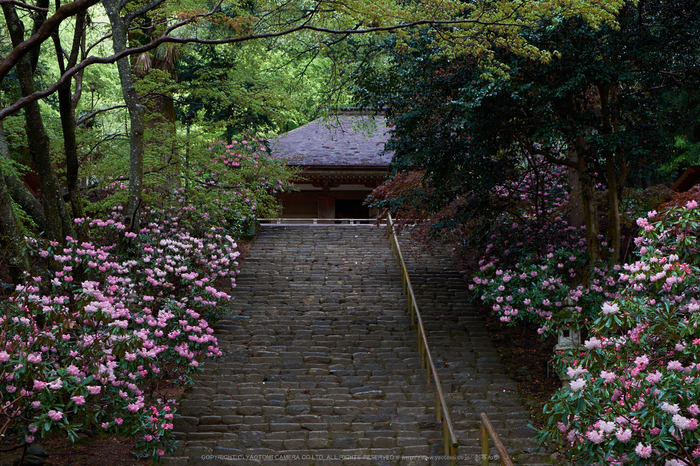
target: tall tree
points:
(66, 104)
(58, 222)
(597, 107)
(11, 239)
(476, 26)
(120, 28)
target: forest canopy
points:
(117, 95)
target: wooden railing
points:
(441, 410)
(486, 432)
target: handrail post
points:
(487, 431)
(484, 446)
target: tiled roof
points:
(343, 141)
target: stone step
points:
(320, 361)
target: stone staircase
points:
(321, 367)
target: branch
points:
(206, 185)
(85, 118)
(22, 102)
(44, 32)
(109, 137)
(149, 172)
(562, 162)
(25, 5)
(98, 42)
(144, 9)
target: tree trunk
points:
(615, 167)
(11, 239)
(21, 195)
(617, 177)
(590, 215)
(26, 200)
(136, 111)
(58, 222)
(39, 18)
(586, 193)
(575, 217)
(614, 223)
(66, 110)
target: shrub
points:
(87, 339)
(633, 395)
(535, 266)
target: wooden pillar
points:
(326, 207)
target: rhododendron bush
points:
(228, 184)
(536, 267)
(237, 183)
(85, 343)
(634, 390)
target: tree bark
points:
(136, 112)
(66, 110)
(575, 217)
(615, 167)
(587, 196)
(39, 19)
(26, 200)
(57, 221)
(20, 194)
(11, 239)
(617, 177)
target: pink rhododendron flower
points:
(669, 408)
(34, 358)
(39, 385)
(593, 342)
(577, 385)
(55, 384)
(606, 426)
(641, 362)
(595, 436)
(610, 308)
(643, 451)
(575, 372)
(654, 377)
(55, 415)
(623, 436)
(674, 366)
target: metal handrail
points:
(487, 431)
(441, 412)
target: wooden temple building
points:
(689, 179)
(341, 160)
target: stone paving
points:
(321, 367)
